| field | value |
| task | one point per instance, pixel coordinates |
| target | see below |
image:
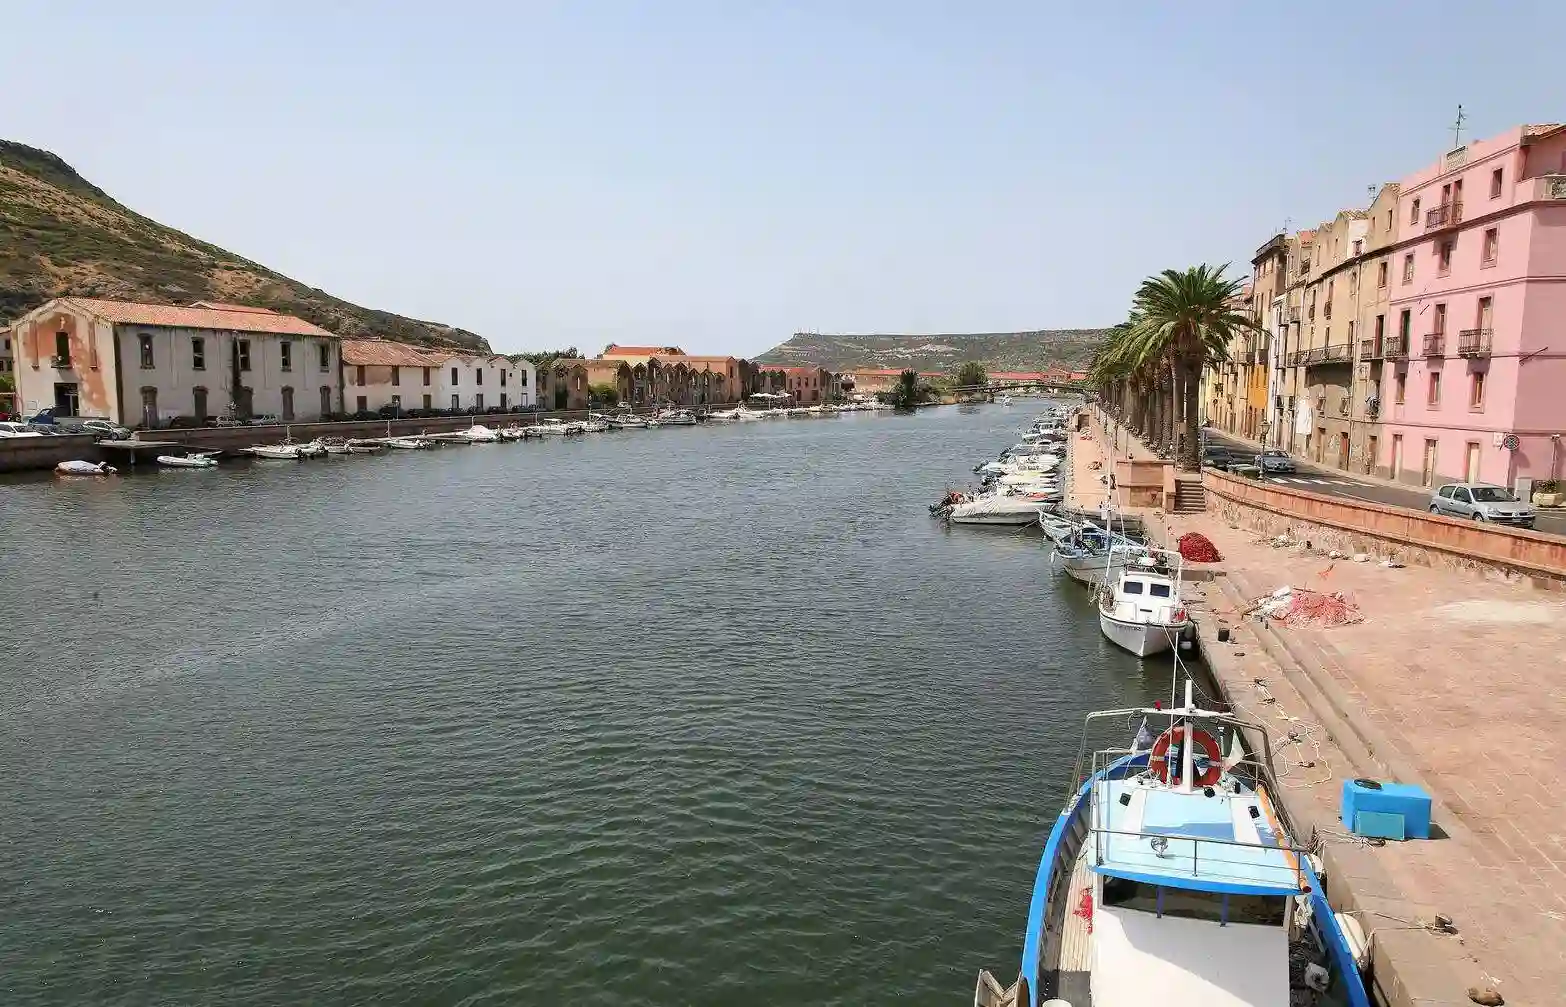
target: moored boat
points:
(275, 452)
(84, 468)
(406, 443)
(1170, 878)
(1141, 611)
(200, 460)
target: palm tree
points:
(1183, 322)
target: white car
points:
(9, 430)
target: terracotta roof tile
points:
(225, 306)
(386, 353)
(174, 316)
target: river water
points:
(682, 716)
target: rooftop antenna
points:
(1457, 128)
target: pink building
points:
(1476, 339)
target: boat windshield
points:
(1132, 587)
(1158, 590)
(1187, 903)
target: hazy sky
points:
(720, 174)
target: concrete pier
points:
(1454, 682)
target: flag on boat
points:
(1144, 738)
(1236, 753)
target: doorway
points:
(1397, 457)
(1471, 463)
(1321, 443)
(326, 401)
(200, 395)
(288, 404)
(67, 399)
(244, 402)
(149, 407)
(1343, 452)
(1370, 455)
(1427, 474)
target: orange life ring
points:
(1158, 760)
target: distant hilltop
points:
(1040, 350)
(62, 236)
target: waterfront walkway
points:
(1454, 681)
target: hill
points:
(61, 235)
(1062, 349)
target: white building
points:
(378, 373)
(145, 364)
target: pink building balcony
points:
(1474, 343)
(1445, 215)
(1435, 344)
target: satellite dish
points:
(1511, 442)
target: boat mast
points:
(1188, 748)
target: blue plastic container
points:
(1378, 799)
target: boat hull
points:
(1018, 518)
(1144, 639)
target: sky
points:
(717, 175)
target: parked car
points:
(10, 429)
(1273, 461)
(105, 429)
(1482, 502)
(1219, 457)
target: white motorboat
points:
(312, 449)
(275, 452)
(335, 446)
(1143, 612)
(476, 434)
(81, 468)
(724, 415)
(191, 461)
(677, 418)
(999, 509)
(1056, 529)
(1094, 556)
(595, 427)
(551, 428)
(405, 443)
(366, 447)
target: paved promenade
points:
(1455, 681)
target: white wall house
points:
(145, 364)
(378, 373)
(484, 382)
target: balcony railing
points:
(1396, 347)
(1326, 310)
(1373, 408)
(1322, 355)
(1435, 344)
(1473, 343)
(60, 361)
(1445, 215)
(1370, 349)
(1259, 356)
(1294, 313)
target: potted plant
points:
(1548, 493)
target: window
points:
(396, 376)
(1132, 587)
(325, 352)
(1486, 314)
(478, 401)
(1158, 590)
(146, 351)
(1476, 390)
(1408, 268)
(502, 377)
(242, 353)
(286, 351)
(363, 404)
(428, 404)
(1492, 246)
(198, 353)
(358, 375)
(1359, 245)
(62, 349)
(1399, 387)
(454, 381)
(502, 400)
(1381, 276)
(1413, 213)
(1433, 393)
(1444, 257)
(478, 376)
(1495, 183)
(522, 378)
(455, 405)
(426, 380)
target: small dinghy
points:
(81, 468)
(195, 461)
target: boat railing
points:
(1210, 857)
(1253, 766)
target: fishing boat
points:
(593, 426)
(550, 428)
(83, 468)
(366, 447)
(1095, 556)
(1140, 610)
(199, 460)
(311, 449)
(1170, 878)
(476, 434)
(677, 418)
(406, 443)
(1057, 529)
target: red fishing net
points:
(1198, 548)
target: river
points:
(667, 717)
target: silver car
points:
(1482, 502)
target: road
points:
(1335, 482)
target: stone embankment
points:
(1452, 681)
